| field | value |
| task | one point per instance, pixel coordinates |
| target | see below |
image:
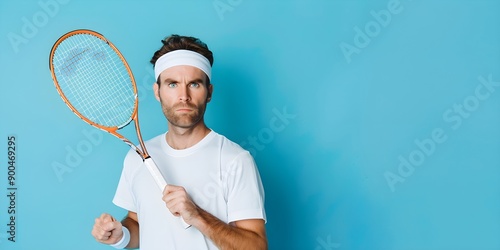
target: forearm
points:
(133, 227)
(227, 236)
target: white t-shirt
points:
(219, 175)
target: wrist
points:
(199, 220)
(123, 242)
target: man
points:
(214, 185)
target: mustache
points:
(185, 105)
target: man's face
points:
(183, 95)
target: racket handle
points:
(160, 181)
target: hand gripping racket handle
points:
(160, 181)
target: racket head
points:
(94, 80)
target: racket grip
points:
(160, 181)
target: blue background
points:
(352, 116)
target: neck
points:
(182, 138)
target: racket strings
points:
(94, 80)
(104, 107)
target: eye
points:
(172, 85)
(194, 85)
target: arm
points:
(108, 230)
(132, 224)
(244, 234)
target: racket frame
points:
(142, 151)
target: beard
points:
(184, 119)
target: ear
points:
(156, 90)
(210, 91)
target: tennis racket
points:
(94, 80)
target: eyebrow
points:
(170, 80)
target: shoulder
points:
(134, 159)
(229, 147)
(155, 141)
(231, 152)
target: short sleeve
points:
(244, 190)
(123, 196)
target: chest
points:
(198, 173)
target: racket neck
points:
(139, 137)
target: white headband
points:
(182, 57)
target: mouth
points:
(184, 109)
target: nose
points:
(184, 93)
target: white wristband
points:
(124, 241)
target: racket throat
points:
(145, 154)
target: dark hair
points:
(176, 42)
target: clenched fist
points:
(107, 230)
